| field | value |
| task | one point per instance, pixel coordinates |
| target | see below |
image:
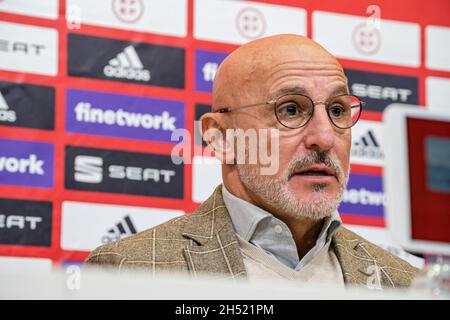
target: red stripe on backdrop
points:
(362, 220)
(356, 168)
(18, 18)
(74, 256)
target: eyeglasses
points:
(295, 110)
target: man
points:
(282, 225)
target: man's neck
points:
(304, 231)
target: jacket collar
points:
(214, 247)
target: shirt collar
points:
(256, 225)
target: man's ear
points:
(213, 130)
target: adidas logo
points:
(367, 146)
(6, 115)
(122, 229)
(127, 65)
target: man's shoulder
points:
(167, 238)
(359, 256)
(162, 247)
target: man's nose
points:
(319, 133)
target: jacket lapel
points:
(214, 248)
(359, 267)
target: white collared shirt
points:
(262, 229)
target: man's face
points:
(313, 160)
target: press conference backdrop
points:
(92, 91)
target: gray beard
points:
(273, 192)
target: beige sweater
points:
(324, 269)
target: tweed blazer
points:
(205, 242)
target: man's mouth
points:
(316, 170)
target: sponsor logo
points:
(25, 222)
(379, 90)
(30, 165)
(127, 65)
(209, 71)
(6, 115)
(26, 163)
(123, 116)
(125, 61)
(366, 144)
(88, 169)
(364, 196)
(206, 66)
(366, 39)
(250, 23)
(26, 48)
(128, 11)
(241, 21)
(123, 172)
(104, 223)
(167, 17)
(121, 229)
(28, 106)
(38, 8)
(86, 113)
(361, 38)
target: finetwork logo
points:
(123, 172)
(121, 229)
(364, 196)
(367, 146)
(123, 116)
(26, 163)
(127, 65)
(209, 71)
(206, 65)
(31, 165)
(6, 115)
(86, 113)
